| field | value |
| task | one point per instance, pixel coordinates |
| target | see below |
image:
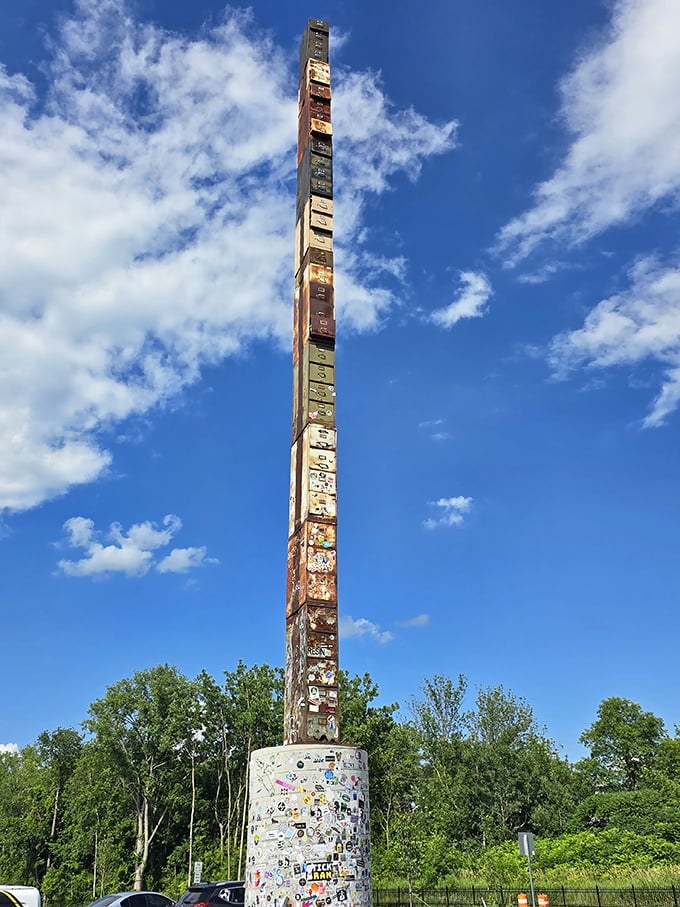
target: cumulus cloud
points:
(138, 196)
(451, 512)
(470, 302)
(131, 552)
(362, 628)
(9, 748)
(640, 323)
(621, 106)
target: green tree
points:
(623, 742)
(140, 726)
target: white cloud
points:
(420, 620)
(9, 748)
(451, 512)
(361, 627)
(435, 428)
(642, 322)
(473, 295)
(138, 197)
(181, 560)
(622, 108)
(130, 552)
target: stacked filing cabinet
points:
(311, 701)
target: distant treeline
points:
(157, 778)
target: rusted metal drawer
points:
(318, 125)
(322, 618)
(317, 257)
(321, 146)
(320, 535)
(323, 438)
(319, 273)
(318, 25)
(322, 504)
(319, 72)
(313, 290)
(322, 482)
(319, 91)
(321, 587)
(322, 460)
(322, 645)
(321, 308)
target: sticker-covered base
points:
(308, 838)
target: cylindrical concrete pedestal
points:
(308, 839)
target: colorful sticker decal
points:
(308, 821)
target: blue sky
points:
(508, 359)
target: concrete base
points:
(308, 838)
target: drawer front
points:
(321, 187)
(321, 460)
(321, 373)
(320, 274)
(322, 504)
(321, 205)
(322, 482)
(321, 560)
(319, 72)
(321, 222)
(321, 146)
(322, 618)
(322, 412)
(323, 438)
(321, 535)
(323, 355)
(322, 392)
(322, 327)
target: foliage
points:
(161, 780)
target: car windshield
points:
(104, 902)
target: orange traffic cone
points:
(522, 900)
(543, 900)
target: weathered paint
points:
(311, 594)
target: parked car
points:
(213, 894)
(134, 899)
(19, 896)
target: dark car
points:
(134, 899)
(213, 894)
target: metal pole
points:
(531, 881)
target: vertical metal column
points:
(311, 692)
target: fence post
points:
(474, 902)
(632, 888)
(398, 896)
(501, 897)
(675, 897)
(597, 892)
(564, 897)
(447, 896)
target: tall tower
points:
(308, 814)
(311, 697)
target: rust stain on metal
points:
(311, 696)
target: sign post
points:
(526, 849)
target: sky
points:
(507, 182)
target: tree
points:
(623, 742)
(141, 726)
